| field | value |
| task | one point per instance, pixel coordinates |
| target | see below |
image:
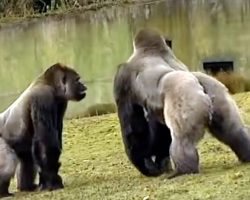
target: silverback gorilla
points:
(31, 130)
(163, 109)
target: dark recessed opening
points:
(213, 67)
(169, 42)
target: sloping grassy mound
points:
(94, 166)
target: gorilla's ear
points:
(61, 81)
(56, 76)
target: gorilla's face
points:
(66, 82)
(75, 90)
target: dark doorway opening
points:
(213, 67)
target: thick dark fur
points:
(136, 91)
(32, 128)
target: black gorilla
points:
(31, 130)
(147, 105)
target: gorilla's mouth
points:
(81, 95)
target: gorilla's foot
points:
(28, 188)
(6, 194)
(50, 187)
(54, 184)
(165, 165)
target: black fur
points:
(4, 189)
(27, 171)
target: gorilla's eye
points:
(77, 79)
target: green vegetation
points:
(17, 10)
(94, 166)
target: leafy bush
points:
(28, 7)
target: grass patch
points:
(94, 166)
(96, 110)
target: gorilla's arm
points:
(46, 142)
(160, 143)
(134, 126)
(136, 138)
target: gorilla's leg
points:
(184, 156)
(4, 188)
(7, 170)
(26, 173)
(233, 133)
(226, 124)
(8, 163)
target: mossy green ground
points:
(94, 166)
